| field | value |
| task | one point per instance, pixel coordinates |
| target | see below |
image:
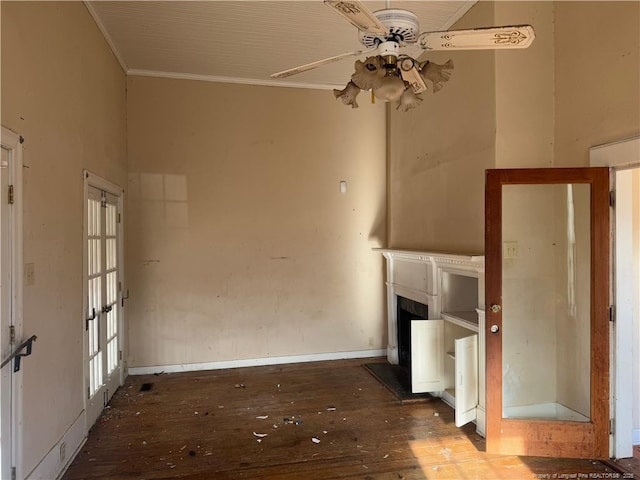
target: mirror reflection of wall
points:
(546, 301)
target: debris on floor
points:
(292, 420)
(446, 453)
(211, 434)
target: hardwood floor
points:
(323, 420)
(630, 467)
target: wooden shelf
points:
(467, 319)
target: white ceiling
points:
(244, 41)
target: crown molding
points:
(105, 34)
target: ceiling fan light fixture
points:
(348, 94)
(408, 100)
(389, 88)
(436, 74)
(368, 73)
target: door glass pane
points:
(95, 294)
(546, 312)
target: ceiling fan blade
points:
(515, 36)
(360, 16)
(310, 66)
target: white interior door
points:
(10, 302)
(6, 336)
(104, 308)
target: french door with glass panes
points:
(103, 323)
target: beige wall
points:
(525, 89)
(530, 353)
(64, 92)
(439, 152)
(597, 76)
(572, 298)
(240, 243)
(546, 301)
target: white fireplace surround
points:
(417, 276)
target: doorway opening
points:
(623, 158)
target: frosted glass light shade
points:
(389, 88)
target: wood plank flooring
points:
(630, 467)
(324, 420)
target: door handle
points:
(92, 317)
(495, 328)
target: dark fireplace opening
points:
(407, 310)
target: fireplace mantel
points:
(422, 276)
(473, 261)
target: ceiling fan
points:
(392, 75)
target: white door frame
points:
(12, 142)
(619, 156)
(92, 180)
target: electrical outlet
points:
(510, 250)
(29, 274)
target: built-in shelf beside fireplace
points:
(447, 335)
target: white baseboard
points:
(53, 465)
(636, 436)
(256, 362)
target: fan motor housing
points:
(403, 27)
